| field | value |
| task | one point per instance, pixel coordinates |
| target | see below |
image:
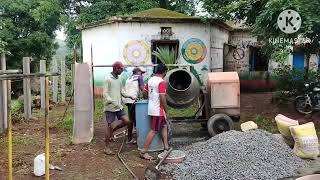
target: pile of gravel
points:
(237, 155)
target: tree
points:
(86, 11)
(262, 16)
(266, 25)
(27, 29)
(235, 10)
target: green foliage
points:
(3, 45)
(165, 55)
(17, 106)
(266, 24)
(27, 28)
(293, 80)
(279, 55)
(66, 123)
(17, 110)
(185, 112)
(235, 10)
(24, 140)
(262, 16)
(69, 83)
(253, 75)
(159, 13)
(263, 123)
(99, 109)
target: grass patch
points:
(66, 123)
(24, 140)
(263, 123)
(185, 112)
(38, 113)
(99, 109)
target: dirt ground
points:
(87, 161)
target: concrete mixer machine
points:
(219, 99)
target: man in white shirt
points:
(157, 109)
(133, 88)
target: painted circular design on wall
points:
(136, 52)
(194, 51)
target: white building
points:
(132, 39)
(209, 45)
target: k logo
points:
(289, 21)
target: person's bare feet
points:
(108, 151)
(146, 156)
(133, 141)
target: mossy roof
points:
(159, 13)
(156, 15)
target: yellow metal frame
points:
(9, 123)
(47, 135)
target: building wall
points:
(314, 62)
(219, 37)
(237, 54)
(111, 42)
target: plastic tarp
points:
(83, 105)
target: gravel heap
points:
(237, 155)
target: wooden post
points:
(55, 81)
(72, 72)
(26, 89)
(3, 97)
(10, 169)
(42, 83)
(47, 137)
(63, 81)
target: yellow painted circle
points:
(194, 51)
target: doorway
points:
(298, 61)
(258, 61)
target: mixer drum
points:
(182, 88)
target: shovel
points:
(153, 173)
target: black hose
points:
(122, 161)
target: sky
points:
(60, 34)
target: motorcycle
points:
(309, 101)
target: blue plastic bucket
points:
(143, 127)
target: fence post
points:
(42, 83)
(3, 97)
(63, 81)
(26, 89)
(55, 81)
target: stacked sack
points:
(283, 124)
(303, 137)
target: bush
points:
(293, 80)
(17, 110)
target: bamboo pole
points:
(47, 137)
(9, 72)
(26, 76)
(9, 123)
